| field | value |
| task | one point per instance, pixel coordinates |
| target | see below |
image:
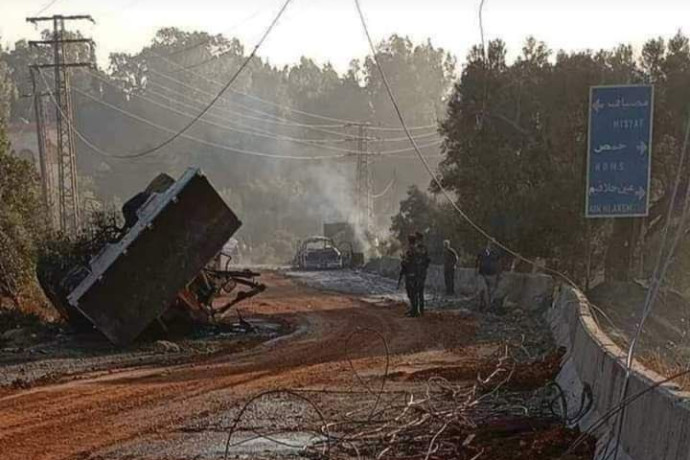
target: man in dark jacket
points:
(489, 268)
(409, 270)
(423, 261)
(450, 261)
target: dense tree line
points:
(513, 137)
(298, 110)
(514, 148)
(22, 226)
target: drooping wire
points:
(257, 131)
(343, 152)
(271, 117)
(45, 7)
(209, 39)
(100, 151)
(664, 258)
(428, 168)
(208, 107)
(385, 189)
(274, 104)
(266, 118)
(485, 64)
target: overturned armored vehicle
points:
(161, 258)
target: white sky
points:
(329, 30)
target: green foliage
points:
(22, 222)
(420, 212)
(516, 133)
(8, 93)
(268, 195)
(420, 76)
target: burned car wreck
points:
(164, 261)
(318, 252)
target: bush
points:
(22, 223)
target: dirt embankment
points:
(664, 344)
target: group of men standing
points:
(415, 262)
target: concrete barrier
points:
(528, 291)
(657, 424)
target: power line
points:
(46, 6)
(275, 119)
(434, 177)
(147, 121)
(256, 98)
(211, 37)
(662, 264)
(219, 109)
(252, 130)
(220, 93)
(412, 128)
(385, 189)
(285, 121)
(274, 104)
(100, 151)
(258, 133)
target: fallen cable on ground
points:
(438, 420)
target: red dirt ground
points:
(82, 417)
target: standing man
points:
(423, 262)
(408, 270)
(488, 267)
(450, 261)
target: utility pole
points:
(62, 97)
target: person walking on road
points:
(488, 267)
(450, 261)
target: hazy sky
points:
(329, 30)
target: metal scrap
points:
(161, 258)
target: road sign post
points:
(619, 150)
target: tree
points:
(7, 88)
(515, 142)
(22, 56)
(420, 212)
(21, 222)
(176, 75)
(420, 76)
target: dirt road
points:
(94, 416)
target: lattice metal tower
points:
(68, 190)
(44, 160)
(363, 180)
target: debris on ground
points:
(143, 419)
(58, 356)
(526, 375)
(158, 263)
(527, 331)
(500, 417)
(167, 346)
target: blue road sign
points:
(619, 151)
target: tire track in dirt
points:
(78, 418)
